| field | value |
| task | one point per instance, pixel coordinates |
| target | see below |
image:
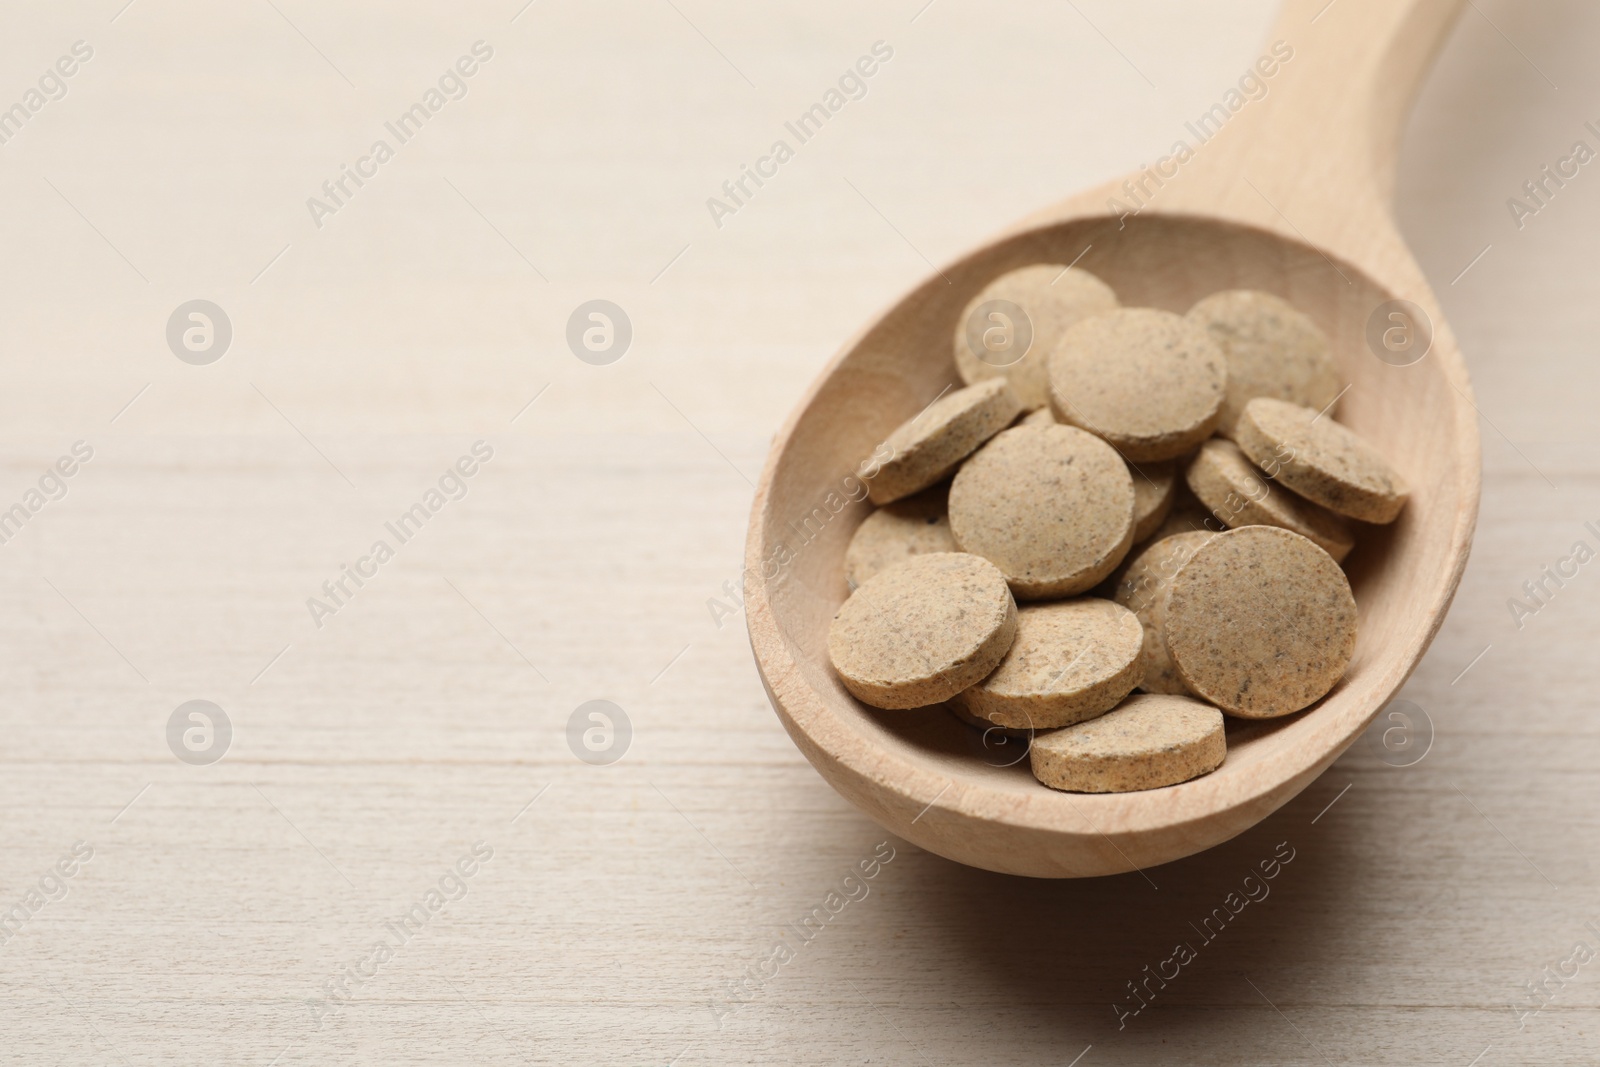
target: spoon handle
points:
(1345, 95)
(1306, 145)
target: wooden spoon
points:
(1291, 195)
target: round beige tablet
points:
(1231, 487)
(1261, 622)
(1272, 350)
(1038, 417)
(1051, 506)
(1154, 486)
(1188, 515)
(1151, 740)
(1144, 589)
(1011, 327)
(923, 630)
(895, 532)
(1321, 460)
(1145, 380)
(925, 448)
(1071, 661)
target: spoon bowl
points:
(1223, 221)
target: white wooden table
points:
(628, 912)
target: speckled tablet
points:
(993, 340)
(914, 526)
(1145, 380)
(1038, 417)
(1187, 515)
(1321, 460)
(1260, 622)
(1272, 350)
(1236, 493)
(926, 447)
(1071, 660)
(1051, 506)
(1154, 486)
(923, 630)
(1144, 589)
(1151, 740)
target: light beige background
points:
(617, 909)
